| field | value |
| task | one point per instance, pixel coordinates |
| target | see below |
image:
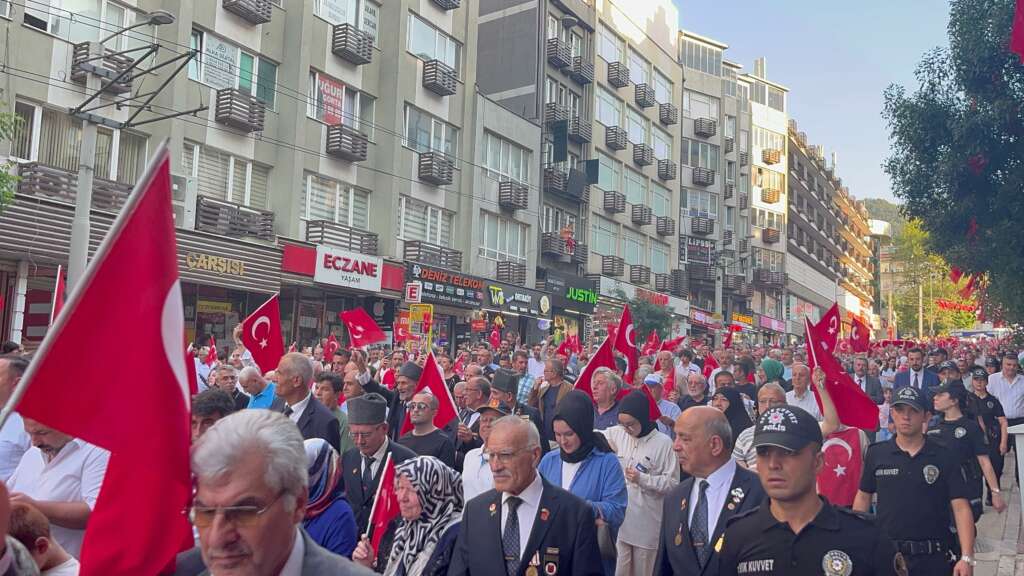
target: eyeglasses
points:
(506, 456)
(358, 435)
(203, 516)
(418, 406)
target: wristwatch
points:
(995, 491)
(970, 561)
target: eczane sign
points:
(349, 269)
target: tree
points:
(648, 316)
(957, 149)
(881, 209)
(9, 124)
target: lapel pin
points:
(493, 509)
(682, 505)
(531, 570)
(737, 492)
(718, 545)
(679, 538)
(544, 514)
(731, 506)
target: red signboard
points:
(413, 292)
(478, 325)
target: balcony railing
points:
(513, 195)
(558, 52)
(615, 138)
(703, 176)
(680, 282)
(439, 78)
(702, 226)
(618, 74)
(112, 62)
(582, 71)
(705, 127)
(668, 113)
(239, 110)
(580, 130)
(555, 180)
(347, 143)
(447, 4)
(37, 179)
(352, 44)
(771, 155)
(643, 95)
(643, 155)
(733, 282)
(341, 236)
(744, 246)
(727, 237)
(744, 201)
(613, 266)
(552, 244)
(253, 11)
(432, 254)
(665, 226)
(614, 202)
(744, 158)
(769, 235)
(581, 254)
(729, 143)
(770, 195)
(641, 215)
(230, 219)
(511, 272)
(663, 282)
(667, 169)
(700, 272)
(729, 190)
(639, 274)
(554, 112)
(435, 167)
(770, 278)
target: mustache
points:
(238, 549)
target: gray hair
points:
(225, 367)
(610, 375)
(513, 421)
(773, 387)
(720, 427)
(643, 371)
(249, 372)
(252, 433)
(296, 363)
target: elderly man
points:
(426, 439)
(208, 407)
(697, 510)
(261, 393)
(251, 494)
(869, 384)
(61, 477)
(294, 381)
(606, 385)
(801, 395)
(467, 435)
(696, 391)
(476, 473)
(524, 525)
(14, 441)
(351, 388)
(550, 393)
(669, 410)
(328, 389)
(405, 384)
(363, 465)
(459, 396)
(225, 377)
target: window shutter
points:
(213, 173)
(258, 191)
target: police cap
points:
(787, 427)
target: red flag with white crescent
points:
(362, 329)
(385, 504)
(840, 476)
(211, 354)
(625, 343)
(261, 335)
(855, 408)
(431, 380)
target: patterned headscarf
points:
(439, 489)
(324, 476)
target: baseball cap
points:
(787, 427)
(949, 365)
(910, 396)
(653, 380)
(993, 362)
(979, 373)
(499, 407)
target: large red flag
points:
(653, 343)
(625, 343)
(830, 325)
(860, 336)
(432, 380)
(261, 335)
(330, 347)
(211, 353)
(385, 505)
(840, 476)
(710, 364)
(58, 295)
(603, 357)
(671, 345)
(1017, 35)
(362, 329)
(855, 408)
(139, 521)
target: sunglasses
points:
(203, 516)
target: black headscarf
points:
(736, 414)
(577, 411)
(636, 405)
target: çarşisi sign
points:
(349, 269)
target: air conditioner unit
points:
(183, 197)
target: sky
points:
(836, 58)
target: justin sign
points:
(349, 269)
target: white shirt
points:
(293, 566)
(646, 496)
(743, 448)
(920, 378)
(1010, 394)
(718, 490)
(476, 475)
(526, 512)
(861, 381)
(299, 408)
(69, 568)
(378, 458)
(74, 475)
(569, 470)
(535, 368)
(807, 402)
(670, 409)
(14, 442)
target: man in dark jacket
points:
(294, 381)
(405, 385)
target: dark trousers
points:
(929, 565)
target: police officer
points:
(917, 480)
(993, 421)
(797, 531)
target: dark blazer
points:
(315, 561)
(873, 387)
(396, 415)
(374, 386)
(568, 527)
(681, 559)
(929, 380)
(318, 422)
(278, 404)
(352, 466)
(534, 415)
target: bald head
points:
(703, 440)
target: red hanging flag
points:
(58, 295)
(211, 354)
(460, 364)
(672, 344)
(653, 343)
(432, 381)
(261, 335)
(362, 329)
(625, 343)
(733, 328)
(494, 339)
(860, 336)
(574, 343)
(710, 364)
(1017, 35)
(968, 290)
(955, 274)
(830, 326)
(603, 357)
(148, 482)
(190, 370)
(855, 408)
(330, 347)
(563, 348)
(385, 505)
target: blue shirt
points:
(525, 387)
(608, 419)
(334, 528)
(263, 399)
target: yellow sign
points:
(211, 307)
(421, 320)
(742, 318)
(218, 264)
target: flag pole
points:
(376, 498)
(80, 286)
(807, 334)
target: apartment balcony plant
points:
(239, 110)
(705, 127)
(702, 226)
(435, 167)
(729, 191)
(513, 195)
(254, 12)
(432, 254)
(641, 215)
(639, 274)
(615, 138)
(668, 113)
(618, 74)
(234, 220)
(667, 169)
(665, 226)
(582, 71)
(555, 180)
(554, 112)
(680, 282)
(558, 53)
(446, 4)
(771, 155)
(439, 78)
(614, 202)
(663, 283)
(352, 44)
(770, 195)
(703, 176)
(342, 236)
(613, 266)
(112, 62)
(580, 130)
(511, 272)
(643, 95)
(643, 155)
(347, 143)
(729, 144)
(769, 235)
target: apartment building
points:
(856, 295)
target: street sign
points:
(414, 292)
(421, 320)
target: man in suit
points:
(917, 376)
(232, 463)
(467, 432)
(405, 384)
(506, 389)
(697, 510)
(524, 526)
(363, 465)
(294, 385)
(868, 383)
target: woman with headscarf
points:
(651, 470)
(585, 465)
(773, 371)
(730, 402)
(329, 519)
(430, 506)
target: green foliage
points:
(957, 149)
(647, 317)
(882, 209)
(9, 124)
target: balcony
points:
(613, 266)
(511, 272)
(641, 215)
(555, 180)
(618, 74)
(703, 176)
(744, 202)
(554, 112)
(615, 138)
(733, 282)
(352, 44)
(680, 282)
(254, 12)
(435, 167)
(702, 226)
(769, 235)
(39, 180)
(439, 78)
(643, 155)
(643, 94)
(581, 254)
(234, 220)
(699, 272)
(727, 237)
(341, 236)
(744, 246)
(111, 63)
(639, 274)
(239, 110)
(770, 195)
(580, 130)
(347, 143)
(729, 143)
(771, 156)
(667, 170)
(614, 202)
(744, 158)
(446, 4)
(665, 226)
(558, 53)
(582, 71)
(769, 278)
(705, 127)
(432, 254)
(730, 189)
(663, 283)
(513, 195)
(551, 244)
(668, 114)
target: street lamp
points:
(80, 226)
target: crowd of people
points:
(736, 472)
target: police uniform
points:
(966, 441)
(990, 410)
(837, 542)
(914, 495)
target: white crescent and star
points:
(840, 470)
(630, 336)
(257, 323)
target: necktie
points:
(288, 411)
(916, 384)
(510, 537)
(699, 525)
(367, 473)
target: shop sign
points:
(572, 292)
(339, 267)
(478, 325)
(743, 319)
(505, 297)
(612, 288)
(218, 264)
(212, 307)
(655, 298)
(702, 318)
(771, 324)
(442, 286)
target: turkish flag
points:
(855, 408)
(460, 364)
(190, 369)
(1017, 35)
(671, 345)
(563, 348)
(362, 329)
(710, 364)
(58, 295)
(625, 343)
(574, 343)
(603, 357)
(402, 332)
(955, 274)
(727, 341)
(385, 505)
(261, 335)
(830, 325)
(653, 343)
(495, 339)
(860, 336)
(968, 290)
(211, 354)
(432, 381)
(840, 476)
(330, 347)
(293, 348)
(138, 523)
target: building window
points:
(730, 126)
(227, 177)
(769, 179)
(635, 187)
(776, 99)
(636, 126)
(84, 20)
(609, 108)
(333, 102)
(659, 257)
(662, 144)
(768, 219)
(634, 248)
(555, 219)
(603, 236)
(768, 139)
(730, 171)
(609, 174)
(424, 132)
(700, 154)
(661, 200)
(729, 81)
(335, 201)
(609, 46)
(698, 203)
(221, 64)
(362, 14)
(702, 57)
(502, 239)
(639, 68)
(430, 43)
(767, 259)
(425, 222)
(697, 105)
(506, 159)
(662, 87)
